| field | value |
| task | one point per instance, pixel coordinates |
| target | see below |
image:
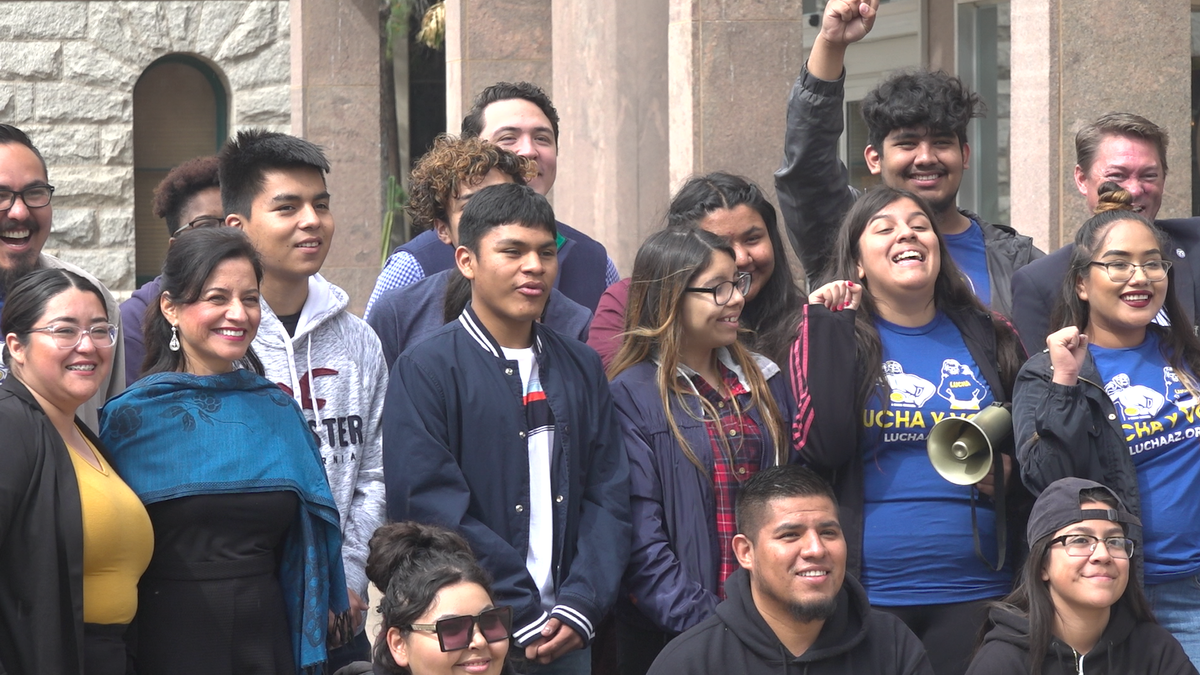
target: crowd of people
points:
(546, 469)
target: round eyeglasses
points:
(69, 337)
(456, 632)
(35, 197)
(1083, 545)
(1120, 271)
(723, 292)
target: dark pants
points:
(637, 648)
(358, 649)
(104, 651)
(949, 632)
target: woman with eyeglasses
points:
(74, 539)
(1075, 609)
(894, 343)
(246, 575)
(700, 416)
(438, 613)
(1113, 399)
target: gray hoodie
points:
(333, 367)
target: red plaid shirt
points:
(734, 461)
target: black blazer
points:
(1037, 286)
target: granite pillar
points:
(489, 41)
(1074, 60)
(336, 104)
(610, 88)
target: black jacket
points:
(828, 417)
(1036, 289)
(41, 541)
(813, 187)
(1127, 647)
(736, 640)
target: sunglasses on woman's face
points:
(456, 632)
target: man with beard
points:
(792, 604)
(25, 217)
(917, 141)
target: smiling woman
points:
(76, 538)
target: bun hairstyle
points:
(411, 563)
(1178, 343)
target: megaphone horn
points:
(961, 449)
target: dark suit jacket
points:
(1037, 286)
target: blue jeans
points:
(1176, 605)
(578, 662)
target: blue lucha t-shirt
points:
(918, 547)
(1161, 428)
(969, 253)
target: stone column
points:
(610, 85)
(489, 41)
(336, 104)
(1074, 60)
(731, 66)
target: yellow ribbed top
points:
(118, 541)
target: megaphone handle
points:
(1001, 517)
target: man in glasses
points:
(188, 198)
(500, 428)
(791, 606)
(25, 220)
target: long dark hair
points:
(1031, 596)
(27, 299)
(1178, 343)
(666, 263)
(950, 293)
(190, 261)
(411, 563)
(770, 316)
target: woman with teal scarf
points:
(246, 575)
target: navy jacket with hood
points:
(736, 640)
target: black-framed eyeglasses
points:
(35, 197)
(200, 223)
(68, 337)
(456, 632)
(1083, 545)
(1120, 271)
(723, 292)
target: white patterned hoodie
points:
(334, 368)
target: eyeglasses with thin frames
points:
(1120, 271)
(35, 197)
(723, 292)
(1084, 545)
(200, 223)
(69, 337)
(456, 632)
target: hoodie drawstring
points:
(312, 387)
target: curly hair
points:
(937, 101)
(181, 184)
(453, 162)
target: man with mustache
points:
(917, 126)
(25, 220)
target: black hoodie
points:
(736, 640)
(1126, 647)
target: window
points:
(179, 112)
(984, 66)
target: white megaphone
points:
(961, 449)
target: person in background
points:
(701, 415)
(1074, 609)
(792, 607)
(74, 539)
(920, 345)
(519, 117)
(327, 359)
(246, 567)
(441, 185)
(188, 198)
(735, 209)
(1113, 399)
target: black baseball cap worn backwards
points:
(1059, 506)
